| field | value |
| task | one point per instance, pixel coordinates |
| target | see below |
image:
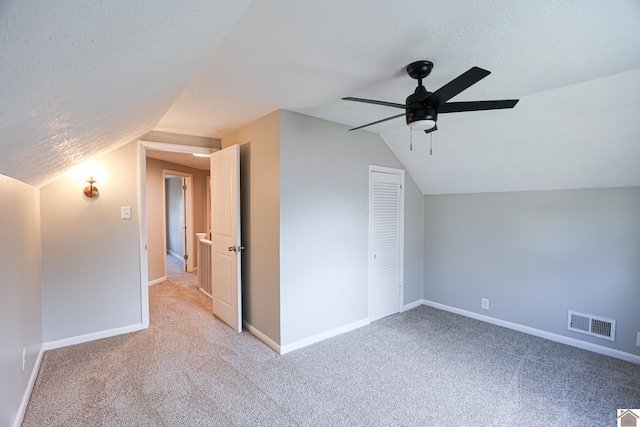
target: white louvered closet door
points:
(385, 244)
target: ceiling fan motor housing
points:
(416, 110)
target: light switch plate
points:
(125, 212)
(638, 340)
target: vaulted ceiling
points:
(79, 80)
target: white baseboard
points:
(539, 333)
(175, 255)
(261, 336)
(51, 345)
(156, 281)
(412, 305)
(27, 392)
(323, 336)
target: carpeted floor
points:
(424, 367)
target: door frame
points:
(143, 146)
(401, 173)
(190, 236)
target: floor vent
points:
(591, 325)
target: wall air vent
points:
(592, 325)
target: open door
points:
(225, 236)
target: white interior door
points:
(386, 225)
(225, 236)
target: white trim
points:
(176, 148)
(596, 348)
(156, 281)
(142, 232)
(412, 305)
(401, 173)
(51, 345)
(323, 336)
(261, 336)
(27, 392)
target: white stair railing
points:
(204, 264)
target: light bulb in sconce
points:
(91, 190)
(89, 172)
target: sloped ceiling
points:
(574, 65)
(77, 80)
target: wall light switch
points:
(125, 212)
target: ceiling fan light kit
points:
(422, 107)
(422, 124)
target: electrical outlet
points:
(24, 358)
(638, 340)
(485, 303)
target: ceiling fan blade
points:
(373, 101)
(380, 121)
(457, 85)
(433, 129)
(456, 107)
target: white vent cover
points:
(592, 325)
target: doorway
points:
(152, 156)
(178, 214)
(386, 241)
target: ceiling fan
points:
(422, 107)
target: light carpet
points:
(425, 367)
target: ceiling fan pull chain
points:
(410, 140)
(431, 144)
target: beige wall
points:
(20, 304)
(260, 206)
(90, 257)
(155, 209)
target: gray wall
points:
(20, 304)
(90, 257)
(537, 254)
(174, 210)
(260, 207)
(324, 190)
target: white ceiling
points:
(305, 56)
(76, 80)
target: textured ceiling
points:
(559, 57)
(81, 78)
